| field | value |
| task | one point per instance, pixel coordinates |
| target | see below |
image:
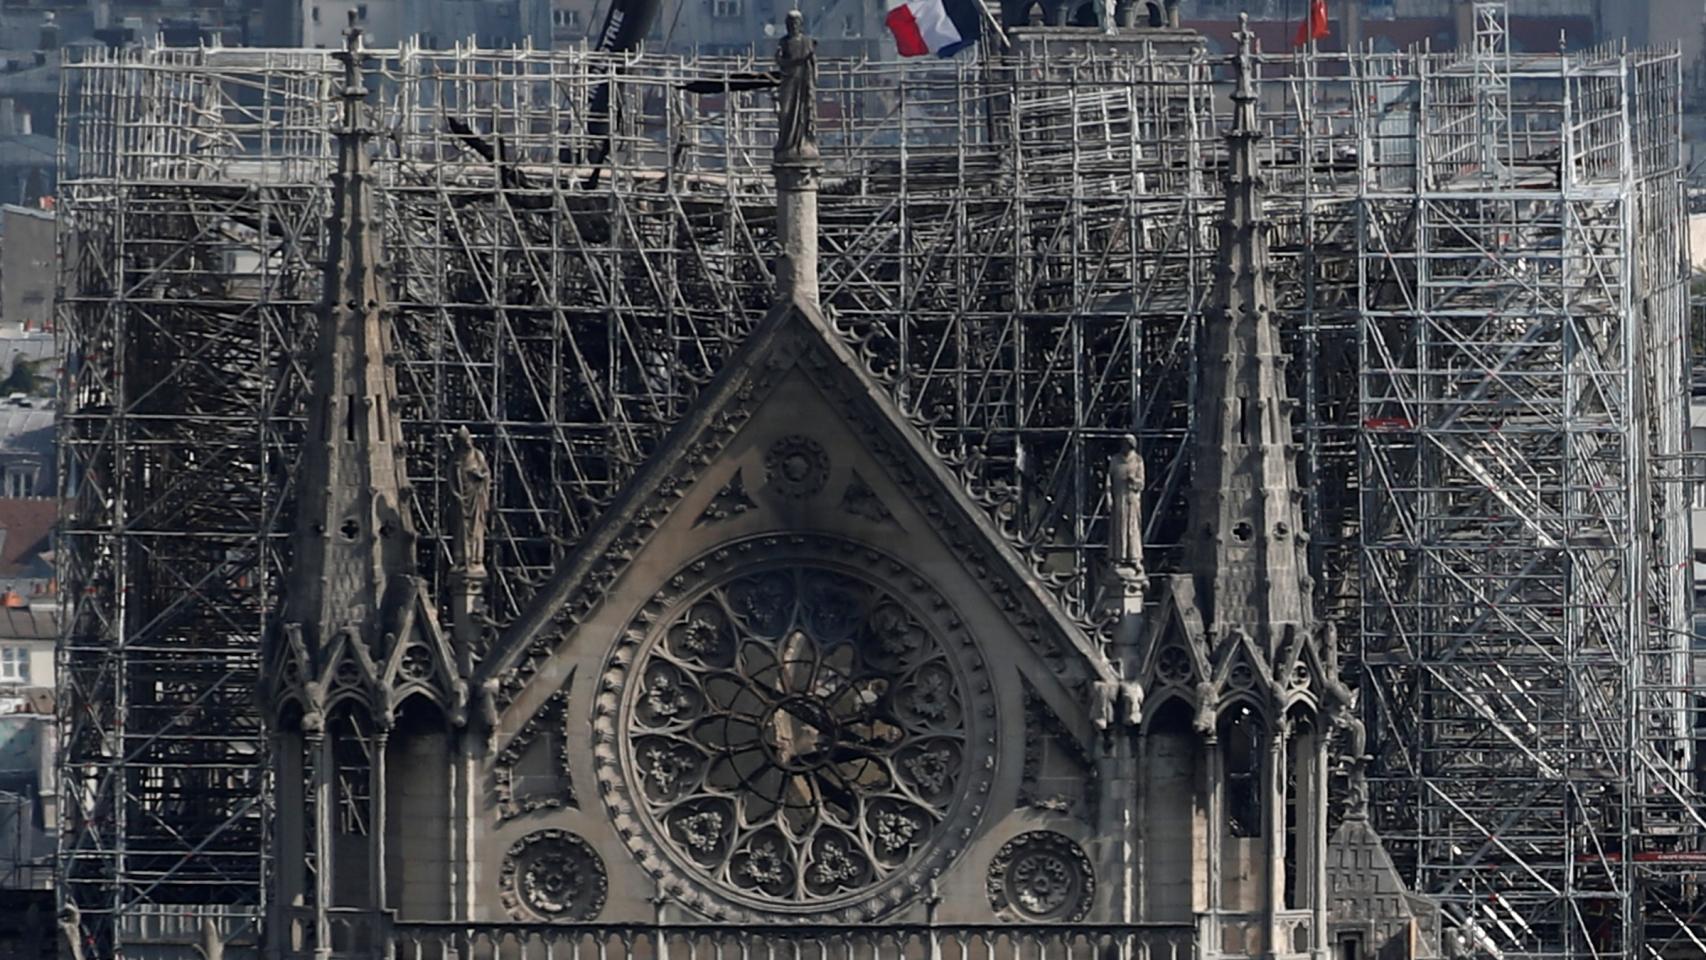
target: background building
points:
(29, 263)
(319, 24)
(27, 467)
(29, 800)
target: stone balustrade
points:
(367, 935)
(361, 934)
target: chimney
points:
(1463, 21)
(49, 33)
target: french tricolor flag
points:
(942, 27)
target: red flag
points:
(1315, 26)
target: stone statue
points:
(212, 946)
(458, 704)
(314, 710)
(1341, 711)
(473, 488)
(71, 932)
(796, 99)
(1125, 518)
(1104, 696)
(487, 704)
(1207, 709)
(1133, 701)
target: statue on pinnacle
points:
(796, 98)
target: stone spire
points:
(353, 534)
(1245, 507)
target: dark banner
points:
(627, 24)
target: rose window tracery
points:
(802, 738)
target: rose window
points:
(799, 738)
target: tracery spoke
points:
(836, 790)
(727, 734)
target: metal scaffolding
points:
(1526, 581)
(1479, 276)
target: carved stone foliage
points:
(553, 875)
(799, 727)
(1058, 775)
(731, 501)
(861, 501)
(1041, 876)
(796, 466)
(532, 771)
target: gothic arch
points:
(415, 704)
(1160, 712)
(419, 755)
(349, 698)
(1242, 731)
(1172, 799)
(287, 710)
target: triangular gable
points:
(1242, 668)
(1305, 667)
(792, 338)
(334, 682)
(415, 658)
(1173, 623)
(286, 666)
(419, 659)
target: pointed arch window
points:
(1241, 734)
(352, 770)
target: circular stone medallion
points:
(797, 466)
(798, 727)
(553, 875)
(1043, 876)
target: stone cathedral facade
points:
(796, 680)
